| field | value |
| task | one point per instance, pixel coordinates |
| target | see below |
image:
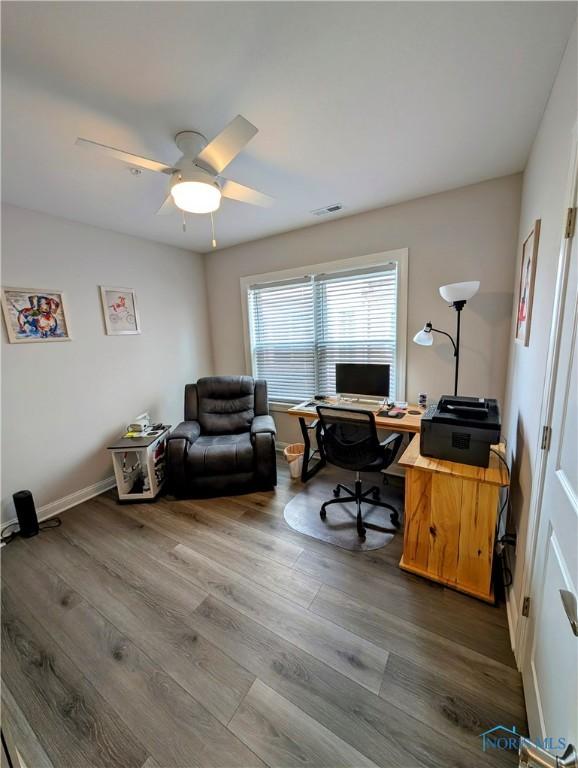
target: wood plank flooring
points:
(207, 633)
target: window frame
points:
(400, 257)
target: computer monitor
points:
(362, 379)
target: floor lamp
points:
(456, 294)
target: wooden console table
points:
(451, 514)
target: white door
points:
(550, 663)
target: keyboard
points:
(312, 404)
(373, 407)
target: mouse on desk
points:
(393, 413)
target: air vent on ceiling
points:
(328, 209)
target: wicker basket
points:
(294, 455)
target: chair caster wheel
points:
(394, 517)
(337, 492)
(375, 495)
(323, 514)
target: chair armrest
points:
(263, 433)
(390, 439)
(263, 424)
(186, 430)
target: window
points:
(300, 326)
(282, 323)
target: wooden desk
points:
(408, 423)
(308, 423)
(451, 513)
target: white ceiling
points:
(364, 104)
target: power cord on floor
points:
(507, 498)
(8, 538)
(507, 538)
(54, 522)
(506, 570)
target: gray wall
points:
(545, 188)
(62, 403)
(465, 234)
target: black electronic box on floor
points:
(461, 429)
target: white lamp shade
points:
(459, 291)
(424, 337)
(196, 196)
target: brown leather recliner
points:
(226, 443)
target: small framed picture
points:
(526, 284)
(120, 312)
(34, 315)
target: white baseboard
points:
(512, 614)
(72, 500)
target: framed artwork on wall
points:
(120, 312)
(34, 315)
(526, 284)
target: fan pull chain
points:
(213, 241)
(184, 222)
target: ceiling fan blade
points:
(235, 191)
(126, 157)
(227, 145)
(168, 206)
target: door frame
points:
(535, 510)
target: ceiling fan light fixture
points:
(196, 196)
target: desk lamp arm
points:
(437, 330)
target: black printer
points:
(461, 429)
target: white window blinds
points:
(356, 322)
(301, 328)
(282, 328)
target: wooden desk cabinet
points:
(450, 520)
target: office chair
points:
(350, 441)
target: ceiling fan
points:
(196, 185)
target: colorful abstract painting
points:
(526, 284)
(120, 312)
(33, 314)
